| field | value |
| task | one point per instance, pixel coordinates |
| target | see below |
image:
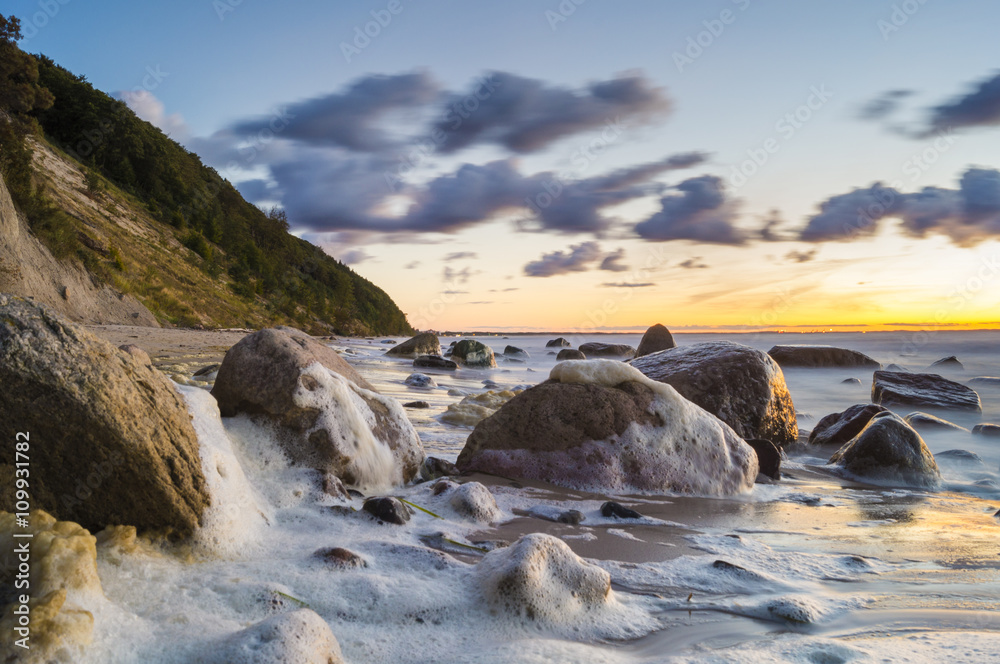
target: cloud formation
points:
(884, 105)
(700, 212)
(625, 284)
(579, 258)
(351, 119)
(978, 108)
(526, 115)
(966, 215)
(613, 261)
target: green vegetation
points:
(269, 275)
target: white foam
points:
(349, 421)
(236, 513)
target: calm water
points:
(833, 570)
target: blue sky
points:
(223, 66)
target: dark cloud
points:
(579, 258)
(462, 276)
(349, 119)
(884, 105)
(613, 262)
(769, 229)
(455, 292)
(694, 263)
(801, 256)
(700, 212)
(460, 255)
(412, 265)
(624, 284)
(256, 190)
(503, 290)
(980, 107)
(967, 215)
(525, 115)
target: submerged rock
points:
(597, 349)
(340, 557)
(926, 421)
(329, 417)
(416, 404)
(422, 344)
(569, 354)
(992, 381)
(296, 637)
(111, 440)
(655, 339)
(419, 380)
(740, 385)
(838, 428)
(889, 451)
(851, 381)
(803, 355)
(950, 362)
(473, 353)
(540, 579)
(434, 362)
(473, 409)
(558, 343)
(927, 390)
(601, 424)
(988, 430)
(515, 353)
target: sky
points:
(593, 165)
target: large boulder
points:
(655, 339)
(516, 354)
(109, 439)
(838, 428)
(329, 417)
(925, 421)
(924, 390)
(540, 579)
(602, 425)
(473, 353)
(557, 343)
(951, 362)
(598, 349)
(889, 451)
(803, 355)
(740, 385)
(424, 343)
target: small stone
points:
(615, 510)
(416, 404)
(388, 510)
(851, 381)
(433, 468)
(332, 486)
(204, 371)
(419, 380)
(558, 343)
(571, 517)
(340, 557)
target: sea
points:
(815, 568)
